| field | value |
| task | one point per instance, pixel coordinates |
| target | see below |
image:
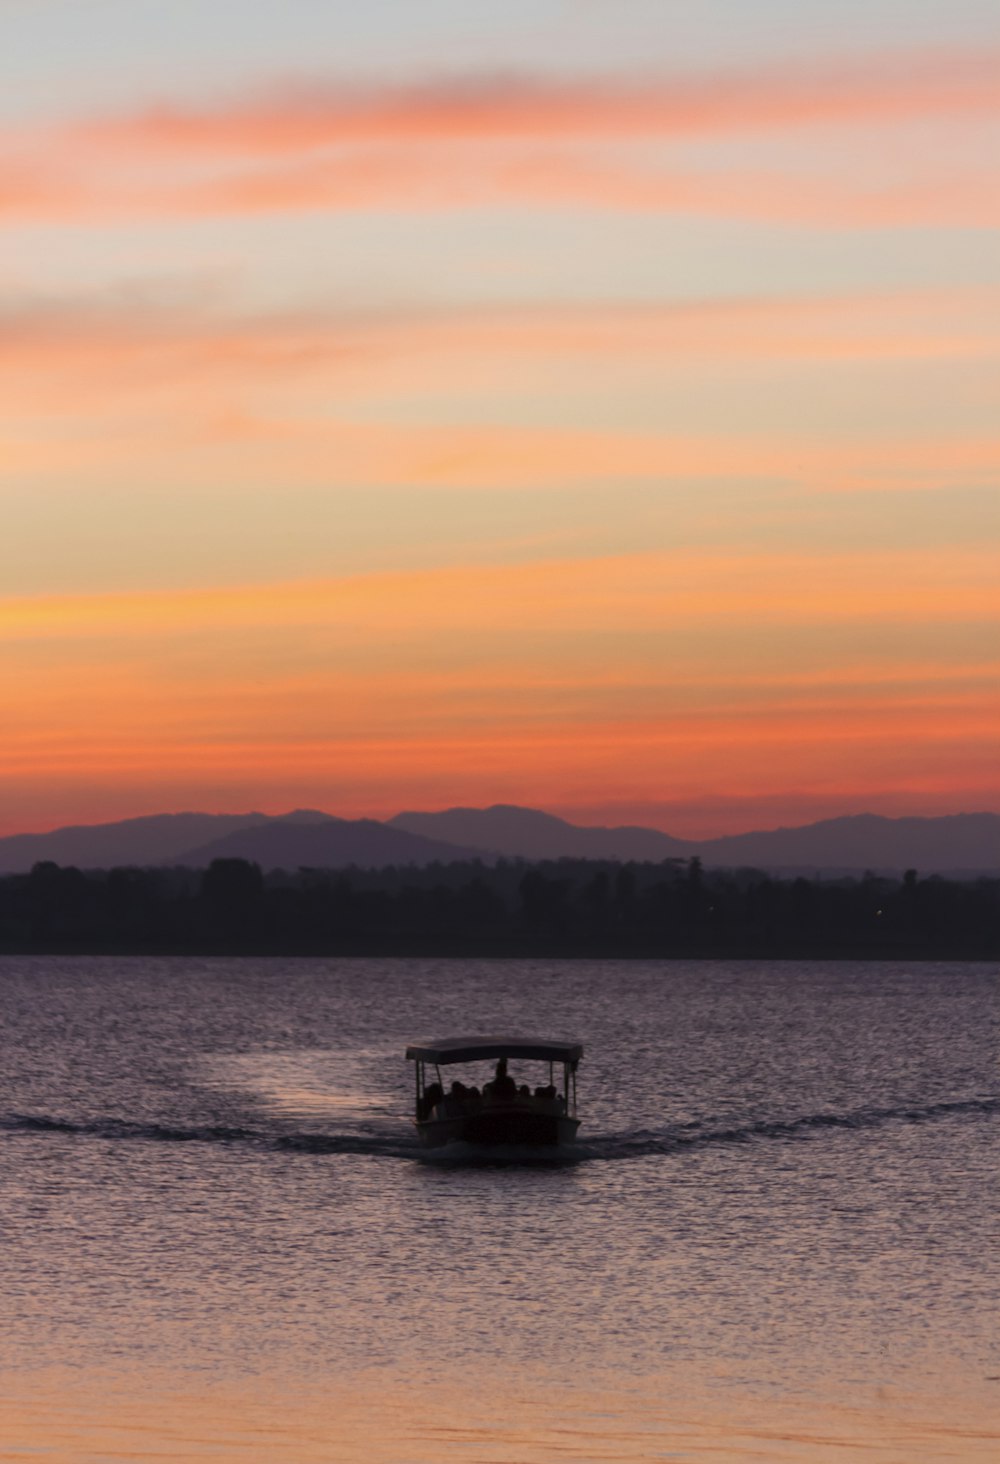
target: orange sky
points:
(617, 438)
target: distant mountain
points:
(160, 838)
(528, 834)
(335, 844)
(962, 842)
(157, 839)
(958, 841)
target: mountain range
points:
(965, 843)
(960, 841)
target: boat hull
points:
(500, 1126)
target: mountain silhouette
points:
(529, 834)
(954, 843)
(156, 839)
(958, 841)
(333, 844)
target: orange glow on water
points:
(374, 1419)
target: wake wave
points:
(121, 1128)
(639, 1144)
(401, 1144)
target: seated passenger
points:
(524, 1094)
(432, 1095)
(545, 1097)
(503, 1088)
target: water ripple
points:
(400, 1144)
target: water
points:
(219, 1241)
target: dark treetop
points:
(556, 908)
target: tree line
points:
(563, 907)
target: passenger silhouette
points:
(503, 1087)
(432, 1096)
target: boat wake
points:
(394, 1141)
(400, 1143)
(699, 1135)
(123, 1128)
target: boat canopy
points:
(472, 1049)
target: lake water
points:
(776, 1241)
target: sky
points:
(591, 405)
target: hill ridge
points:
(965, 842)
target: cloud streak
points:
(185, 332)
(230, 449)
(654, 590)
(313, 114)
(126, 386)
(944, 195)
(553, 181)
(497, 141)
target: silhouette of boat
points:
(503, 1112)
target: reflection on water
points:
(532, 1418)
(776, 1240)
(311, 1083)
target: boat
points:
(506, 1110)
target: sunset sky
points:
(591, 405)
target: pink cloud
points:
(141, 339)
(311, 115)
(399, 178)
(487, 141)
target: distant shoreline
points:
(555, 910)
(506, 953)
